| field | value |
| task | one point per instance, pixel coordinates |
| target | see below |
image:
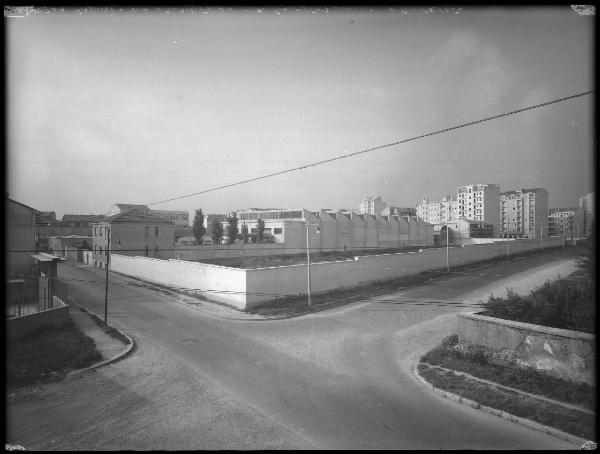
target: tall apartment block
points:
(524, 213)
(479, 202)
(587, 203)
(566, 221)
(438, 212)
(371, 205)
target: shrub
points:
(564, 303)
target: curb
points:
(504, 415)
(126, 352)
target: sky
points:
(141, 106)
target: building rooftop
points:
(168, 211)
(129, 206)
(135, 215)
(83, 217)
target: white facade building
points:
(524, 213)
(438, 212)
(371, 205)
(566, 221)
(480, 202)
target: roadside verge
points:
(503, 414)
(107, 337)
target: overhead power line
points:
(368, 150)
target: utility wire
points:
(318, 163)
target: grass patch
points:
(497, 366)
(570, 421)
(47, 354)
(112, 332)
(483, 363)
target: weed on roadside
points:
(571, 421)
(47, 354)
(480, 362)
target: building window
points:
(156, 231)
(146, 250)
(146, 233)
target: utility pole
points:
(106, 285)
(308, 267)
(447, 249)
(308, 261)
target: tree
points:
(232, 228)
(245, 233)
(216, 231)
(198, 228)
(260, 230)
(570, 221)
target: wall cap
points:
(529, 326)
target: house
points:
(133, 232)
(81, 221)
(70, 247)
(44, 217)
(20, 238)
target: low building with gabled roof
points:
(135, 233)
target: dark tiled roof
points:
(137, 216)
(130, 206)
(83, 217)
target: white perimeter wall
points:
(216, 283)
(247, 288)
(292, 280)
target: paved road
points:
(337, 379)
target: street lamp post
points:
(308, 262)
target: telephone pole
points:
(106, 285)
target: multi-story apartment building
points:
(587, 204)
(397, 211)
(371, 205)
(524, 213)
(566, 221)
(438, 212)
(132, 233)
(479, 202)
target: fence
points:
(245, 288)
(34, 295)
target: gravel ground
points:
(167, 404)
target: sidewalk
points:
(110, 347)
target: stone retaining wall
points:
(563, 353)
